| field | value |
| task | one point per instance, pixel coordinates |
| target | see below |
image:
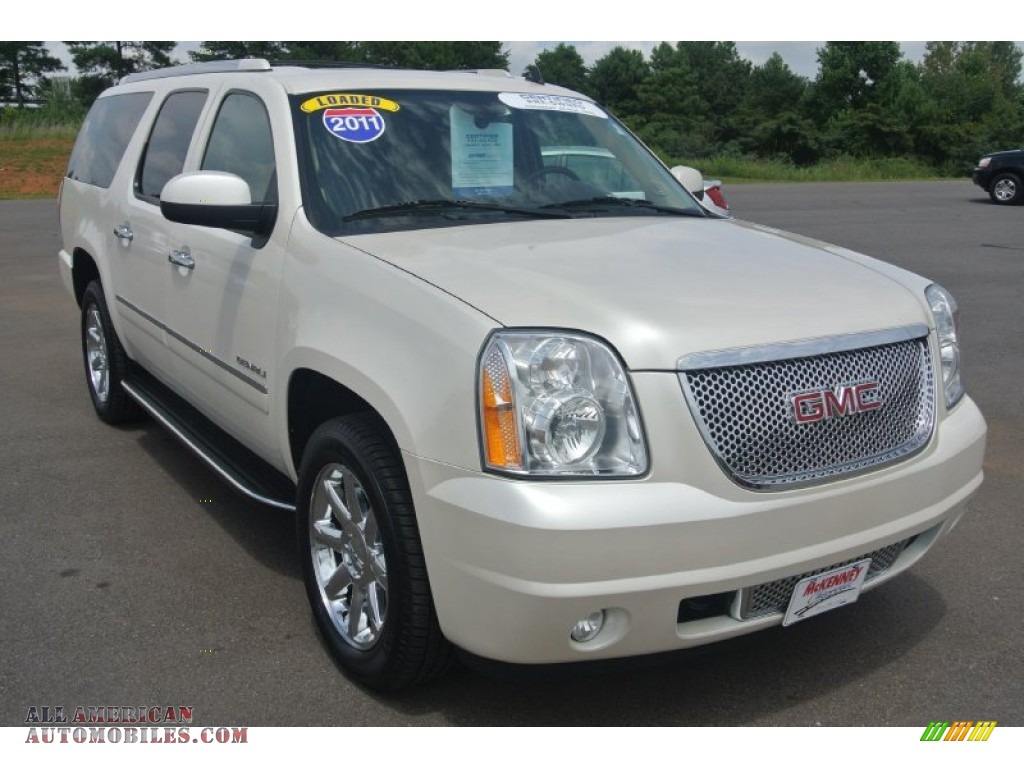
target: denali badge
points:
(254, 368)
(844, 400)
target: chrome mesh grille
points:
(773, 597)
(745, 414)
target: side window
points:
(104, 137)
(241, 143)
(164, 156)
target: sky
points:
(798, 26)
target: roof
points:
(302, 79)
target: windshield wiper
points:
(443, 205)
(625, 202)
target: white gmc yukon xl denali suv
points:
(539, 412)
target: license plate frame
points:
(826, 591)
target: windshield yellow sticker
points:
(334, 100)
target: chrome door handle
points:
(124, 232)
(182, 258)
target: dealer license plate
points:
(825, 591)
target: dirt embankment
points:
(32, 167)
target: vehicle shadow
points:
(745, 681)
(265, 533)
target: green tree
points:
(773, 115)
(563, 66)
(999, 62)
(854, 98)
(850, 74)
(722, 78)
(320, 50)
(101, 63)
(672, 118)
(615, 81)
(974, 101)
(23, 68)
(690, 103)
(434, 54)
(214, 50)
(116, 58)
(775, 88)
(412, 55)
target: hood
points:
(656, 288)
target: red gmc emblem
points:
(844, 400)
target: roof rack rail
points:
(487, 72)
(328, 64)
(201, 68)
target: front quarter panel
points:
(403, 345)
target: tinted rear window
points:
(104, 137)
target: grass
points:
(34, 148)
(733, 170)
(28, 132)
(32, 167)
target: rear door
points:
(146, 237)
(99, 176)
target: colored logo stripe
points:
(961, 730)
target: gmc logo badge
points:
(844, 400)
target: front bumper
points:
(514, 564)
(982, 177)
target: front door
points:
(222, 300)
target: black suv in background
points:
(1000, 174)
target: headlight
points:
(557, 404)
(947, 331)
(983, 163)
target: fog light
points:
(586, 629)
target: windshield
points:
(408, 159)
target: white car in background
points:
(714, 198)
(600, 167)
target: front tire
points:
(362, 560)
(1006, 190)
(106, 363)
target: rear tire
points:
(1006, 189)
(362, 559)
(106, 363)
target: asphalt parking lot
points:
(132, 576)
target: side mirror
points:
(691, 179)
(215, 199)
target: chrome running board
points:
(239, 467)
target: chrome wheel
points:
(362, 560)
(1004, 189)
(348, 557)
(96, 358)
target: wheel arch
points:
(83, 271)
(314, 398)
